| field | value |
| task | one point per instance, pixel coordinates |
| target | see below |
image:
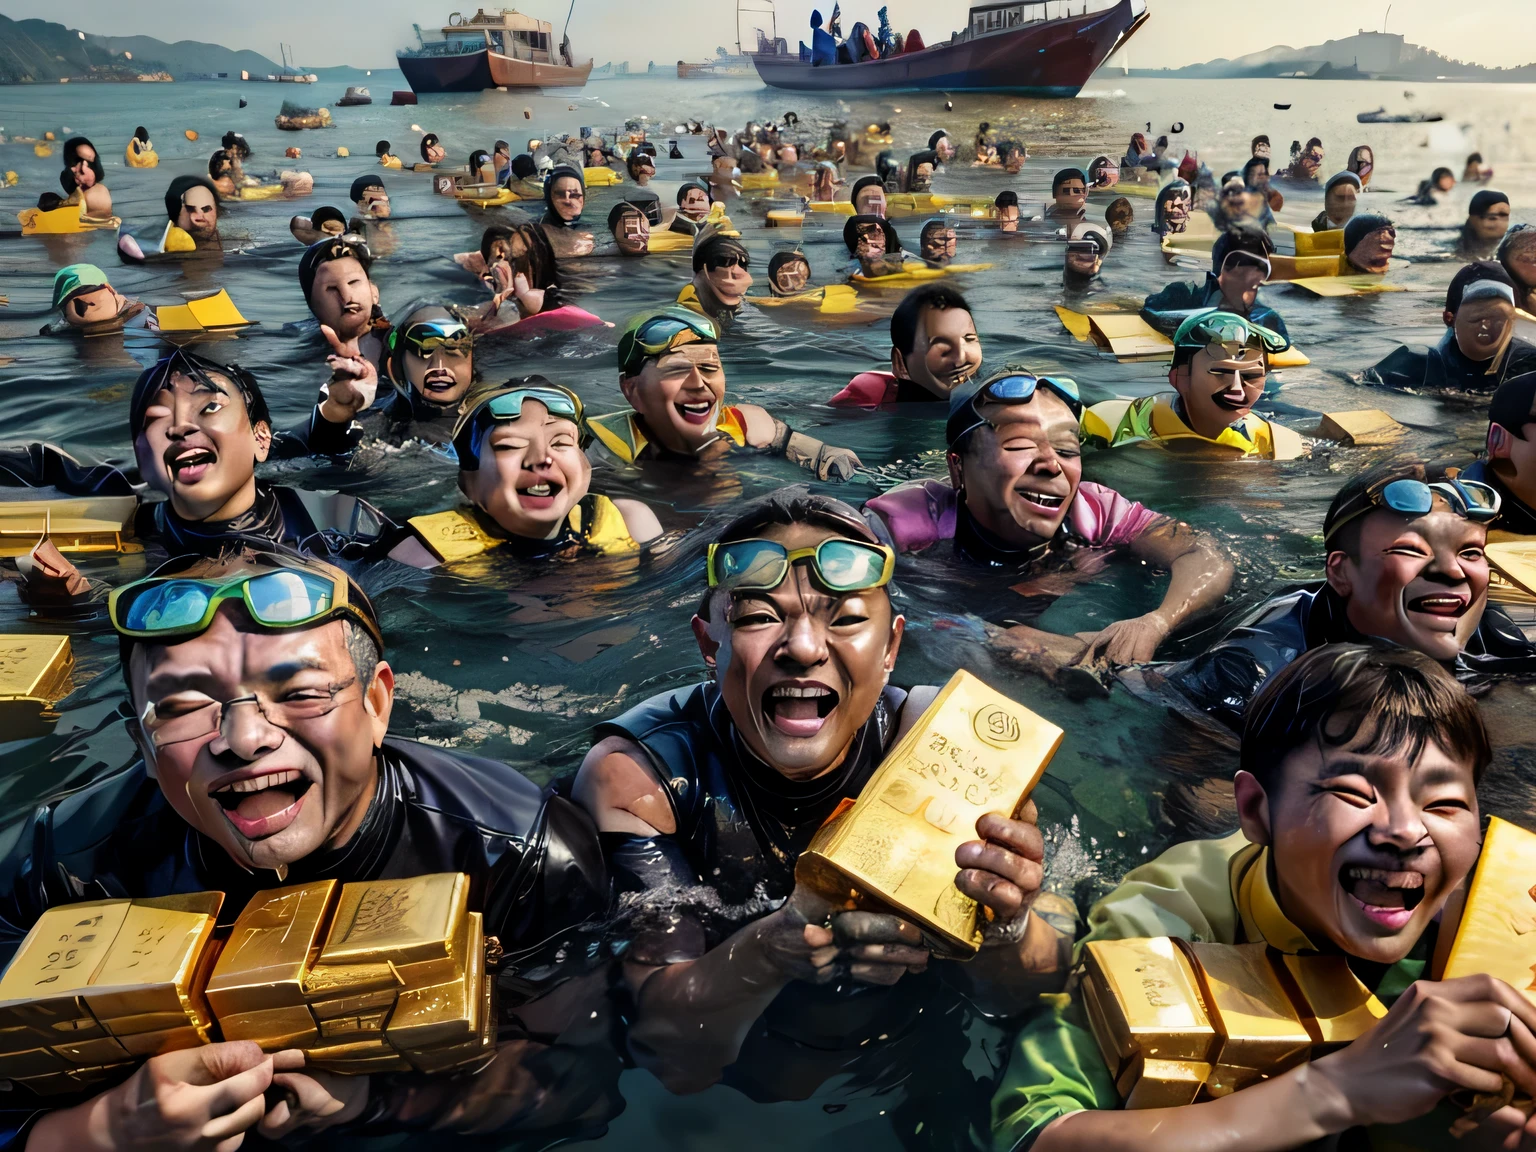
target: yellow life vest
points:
(138, 155)
(456, 535)
(1152, 418)
(177, 240)
(619, 432)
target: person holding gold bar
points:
(261, 704)
(724, 784)
(1357, 796)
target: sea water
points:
(519, 664)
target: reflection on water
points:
(520, 664)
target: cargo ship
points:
(504, 49)
(1029, 47)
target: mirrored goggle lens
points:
(510, 405)
(169, 606)
(657, 335)
(1480, 497)
(750, 564)
(846, 565)
(428, 338)
(1022, 387)
(289, 597)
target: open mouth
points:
(189, 465)
(261, 806)
(1233, 400)
(539, 496)
(1447, 605)
(1044, 503)
(799, 709)
(1386, 897)
(695, 412)
(438, 381)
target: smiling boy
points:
(1357, 797)
(934, 350)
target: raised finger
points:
(235, 1092)
(986, 857)
(1020, 834)
(851, 928)
(231, 1123)
(331, 338)
(1518, 1005)
(288, 1060)
(988, 888)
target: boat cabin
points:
(507, 32)
(989, 19)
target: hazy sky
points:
(1494, 32)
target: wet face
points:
(792, 276)
(1483, 327)
(922, 177)
(1369, 843)
(443, 375)
(1445, 182)
(1490, 226)
(1176, 211)
(945, 354)
(436, 153)
(92, 306)
(1218, 392)
(678, 396)
(633, 234)
(84, 174)
(1374, 253)
(801, 668)
(197, 446)
(569, 196)
(1071, 195)
(269, 793)
(870, 201)
(1019, 473)
(939, 245)
(1419, 582)
(375, 203)
(1240, 280)
(1340, 202)
(945, 148)
(1013, 161)
(728, 278)
(199, 213)
(532, 472)
(871, 245)
(695, 204)
(1083, 259)
(343, 297)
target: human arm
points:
(767, 433)
(1165, 310)
(639, 520)
(354, 380)
(1199, 576)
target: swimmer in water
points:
(1240, 263)
(1014, 156)
(432, 150)
(868, 196)
(386, 158)
(84, 179)
(938, 242)
(88, 303)
(874, 246)
(1259, 146)
(1136, 153)
(1369, 241)
(1340, 197)
(671, 375)
(1084, 257)
(1308, 163)
(565, 198)
(1487, 223)
(1509, 467)
(630, 229)
(140, 152)
(1103, 173)
(370, 198)
(920, 169)
(1171, 212)
(1006, 205)
(789, 273)
(517, 264)
(693, 203)
(641, 167)
(1362, 162)
(1119, 215)
(934, 351)
(942, 146)
(192, 226)
(528, 482)
(318, 225)
(1517, 253)
(1069, 196)
(721, 276)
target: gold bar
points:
(151, 965)
(446, 1013)
(352, 1005)
(263, 965)
(1500, 913)
(1260, 1028)
(1153, 997)
(893, 849)
(1168, 1084)
(346, 980)
(74, 524)
(143, 1045)
(20, 1065)
(1336, 1008)
(403, 921)
(1118, 1048)
(273, 1028)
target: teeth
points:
(1384, 877)
(260, 783)
(1042, 499)
(701, 407)
(538, 490)
(800, 693)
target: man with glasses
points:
(1016, 502)
(1405, 562)
(714, 789)
(720, 276)
(671, 374)
(1069, 196)
(1239, 264)
(1479, 349)
(1220, 368)
(1487, 223)
(261, 705)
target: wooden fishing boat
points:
(502, 49)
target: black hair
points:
(1257, 140)
(1119, 214)
(717, 245)
(180, 187)
(157, 377)
(325, 251)
(779, 259)
(235, 143)
(862, 183)
(1007, 198)
(1254, 162)
(428, 141)
(361, 185)
(1243, 237)
(394, 345)
(141, 134)
(620, 210)
(523, 167)
(909, 313)
(1348, 498)
(325, 212)
(1471, 273)
(1359, 227)
(217, 162)
(1336, 694)
(1513, 403)
(855, 223)
(1480, 203)
(381, 148)
(478, 159)
(635, 159)
(1068, 174)
(72, 148)
(687, 184)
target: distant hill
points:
(38, 51)
(1369, 55)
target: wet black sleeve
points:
(1223, 680)
(47, 466)
(316, 436)
(1403, 368)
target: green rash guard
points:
(1203, 890)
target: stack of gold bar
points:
(34, 675)
(972, 752)
(380, 976)
(105, 983)
(1178, 1022)
(1500, 911)
(387, 975)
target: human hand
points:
(48, 576)
(878, 948)
(834, 463)
(192, 1100)
(795, 940)
(313, 1100)
(354, 379)
(1130, 641)
(1003, 869)
(1439, 1037)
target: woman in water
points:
(520, 266)
(1487, 222)
(565, 195)
(83, 179)
(1361, 162)
(432, 150)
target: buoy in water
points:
(48, 136)
(1178, 126)
(343, 153)
(949, 105)
(527, 113)
(242, 103)
(190, 134)
(1283, 107)
(293, 153)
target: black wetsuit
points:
(1515, 515)
(1169, 307)
(1223, 680)
(403, 415)
(535, 865)
(1445, 368)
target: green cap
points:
(652, 333)
(74, 277)
(1216, 327)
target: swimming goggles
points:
(429, 336)
(840, 565)
(290, 595)
(1241, 257)
(1470, 499)
(1225, 335)
(508, 405)
(657, 333)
